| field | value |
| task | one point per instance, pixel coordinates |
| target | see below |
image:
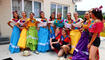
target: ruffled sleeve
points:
(99, 27)
(59, 23)
(55, 22)
(96, 28)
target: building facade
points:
(48, 6)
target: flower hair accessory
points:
(99, 9)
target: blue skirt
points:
(14, 40)
(50, 34)
(43, 42)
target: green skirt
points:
(32, 38)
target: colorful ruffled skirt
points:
(75, 37)
(22, 39)
(52, 29)
(32, 38)
(43, 42)
(50, 34)
(14, 40)
(81, 51)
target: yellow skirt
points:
(102, 34)
(22, 39)
(75, 37)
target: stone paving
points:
(4, 53)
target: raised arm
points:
(9, 23)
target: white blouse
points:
(67, 25)
(42, 24)
(78, 24)
(13, 22)
(21, 23)
(52, 23)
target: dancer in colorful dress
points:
(51, 25)
(22, 39)
(75, 33)
(43, 41)
(95, 29)
(81, 51)
(32, 35)
(59, 22)
(68, 23)
(15, 34)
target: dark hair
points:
(85, 19)
(32, 13)
(51, 17)
(60, 14)
(65, 30)
(97, 13)
(16, 13)
(25, 13)
(40, 13)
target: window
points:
(65, 9)
(53, 8)
(59, 8)
(37, 9)
(28, 7)
(17, 6)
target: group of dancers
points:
(78, 37)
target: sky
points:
(85, 5)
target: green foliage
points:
(81, 16)
(104, 16)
